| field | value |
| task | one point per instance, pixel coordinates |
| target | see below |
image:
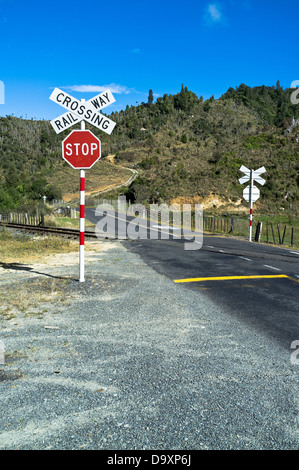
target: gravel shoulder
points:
(130, 360)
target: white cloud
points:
(135, 51)
(113, 87)
(213, 14)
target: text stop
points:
(81, 149)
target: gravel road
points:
(131, 360)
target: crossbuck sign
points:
(251, 193)
(78, 111)
(81, 149)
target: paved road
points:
(257, 283)
(132, 360)
(240, 281)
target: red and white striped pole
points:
(251, 204)
(82, 216)
(82, 223)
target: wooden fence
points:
(267, 232)
(20, 218)
(274, 233)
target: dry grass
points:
(102, 175)
(39, 294)
(23, 248)
(65, 222)
(31, 299)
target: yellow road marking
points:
(231, 278)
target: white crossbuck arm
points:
(78, 111)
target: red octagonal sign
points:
(81, 149)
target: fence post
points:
(258, 232)
(292, 236)
(284, 232)
(232, 224)
(278, 233)
(273, 233)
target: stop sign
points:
(81, 149)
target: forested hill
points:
(181, 146)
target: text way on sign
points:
(68, 119)
(79, 111)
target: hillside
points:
(184, 149)
(31, 166)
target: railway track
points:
(69, 232)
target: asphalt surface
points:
(255, 282)
(138, 361)
(256, 293)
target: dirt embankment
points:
(212, 201)
(118, 182)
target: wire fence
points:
(266, 232)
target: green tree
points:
(150, 97)
(52, 192)
(6, 200)
(184, 139)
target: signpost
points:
(251, 193)
(81, 149)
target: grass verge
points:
(23, 248)
(65, 222)
(35, 298)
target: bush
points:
(184, 139)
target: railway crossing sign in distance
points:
(81, 149)
(251, 193)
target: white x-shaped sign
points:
(78, 111)
(255, 175)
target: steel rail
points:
(54, 230)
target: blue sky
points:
(133, 46)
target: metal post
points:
(82, 220)
(250, 200)
(82, 216)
